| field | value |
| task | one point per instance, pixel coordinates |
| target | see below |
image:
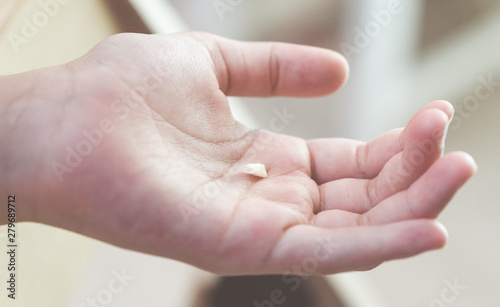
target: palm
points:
(172, 168)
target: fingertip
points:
(437, 105)
(444, 234)
(466, 161)
(331, 71)
(429, 124)
(429, 235)
(344, 66)
(470, 160)
(438, 112)
(444, 106)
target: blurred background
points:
(403, 55)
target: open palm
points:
(163, 174)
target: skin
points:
(164, 176)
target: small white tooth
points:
(255, 169)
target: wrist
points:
(27, 114)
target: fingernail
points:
(443, 229)
(471, 161)
(445, 133)
(449, 110)
(442, 134)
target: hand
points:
(134, 144)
